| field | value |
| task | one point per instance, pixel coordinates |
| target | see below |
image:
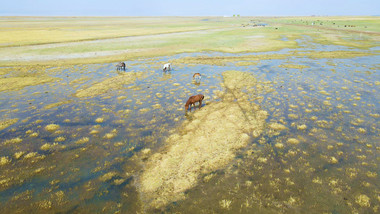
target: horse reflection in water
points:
(192, 100)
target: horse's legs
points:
(192, 104)
(200, 103)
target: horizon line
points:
(225, 16)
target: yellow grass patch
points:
(51, 127)
(337, 54)
(17, 83)
(53, 105)
(277, 126)
(7, 122)
(293, 66)
(113, 83)
(224, 60)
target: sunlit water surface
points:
(326, 160)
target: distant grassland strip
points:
(353, 24)
(352, 31)
(224, 60)
(48, 30)
(83, 40)
(233, 40)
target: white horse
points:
(167, 67)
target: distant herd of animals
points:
(167, 67)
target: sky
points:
(188, 7)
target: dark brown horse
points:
(120, 66)
(192, 100)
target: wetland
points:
(290, 122)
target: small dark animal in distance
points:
(120, 66)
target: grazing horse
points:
(167, 67)
(197, 77)
(120, 66)
(192, 100)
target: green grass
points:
(120, 38)
(351, 31)
(362, 23)
(18, 31)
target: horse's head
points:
(186, 107)
(200, 97)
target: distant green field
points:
(76, 40)
(16, 31)
(368, 24)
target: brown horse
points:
(192, 100)
(120, 66)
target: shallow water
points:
(325, 160)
